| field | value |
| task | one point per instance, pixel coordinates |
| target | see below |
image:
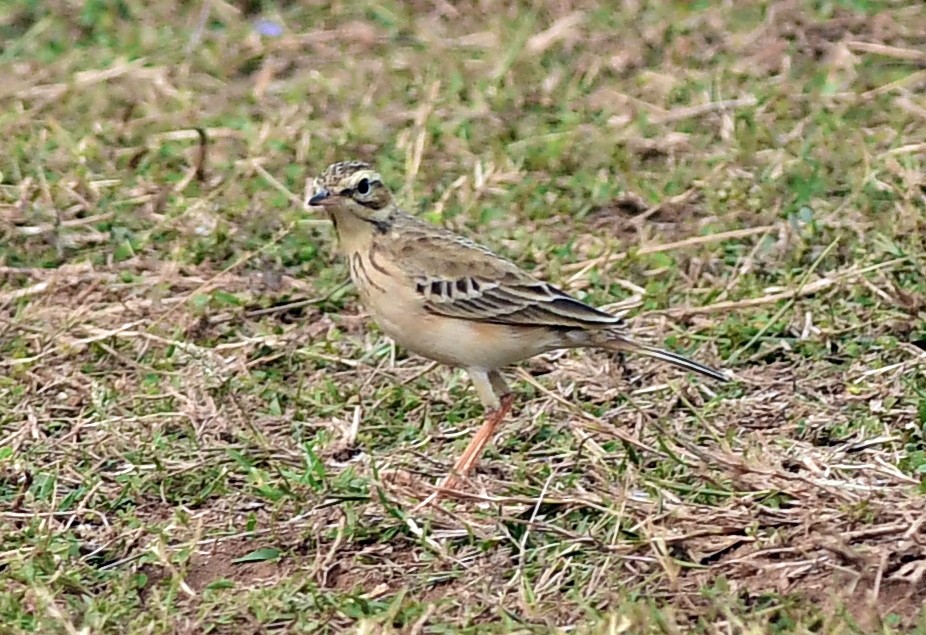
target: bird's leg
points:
(494, 393)
(476, 447)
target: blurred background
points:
(196, 416)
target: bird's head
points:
(355, 188)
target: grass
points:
(200, 431)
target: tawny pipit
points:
(446, 298)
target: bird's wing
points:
(456, 277)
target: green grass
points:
(201, 431)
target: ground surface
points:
(201, 432)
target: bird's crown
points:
(343, 174)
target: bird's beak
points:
(319, 197)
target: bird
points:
(443, 296)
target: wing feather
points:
(475, 284)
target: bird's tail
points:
(619, 342)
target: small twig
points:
(897, 52)
(25, 292)
(416, 150)
(295, 200)
(561, 29)
(912, 78)
(689, 112)
(910, 148)
(534, 512)
(879, 576)
(201, 155)
(197, 35)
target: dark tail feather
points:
(682, 362)
(618, 341)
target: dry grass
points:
(201, 432)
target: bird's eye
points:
(363, 187)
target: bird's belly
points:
(462, 343)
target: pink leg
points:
(476, 447)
